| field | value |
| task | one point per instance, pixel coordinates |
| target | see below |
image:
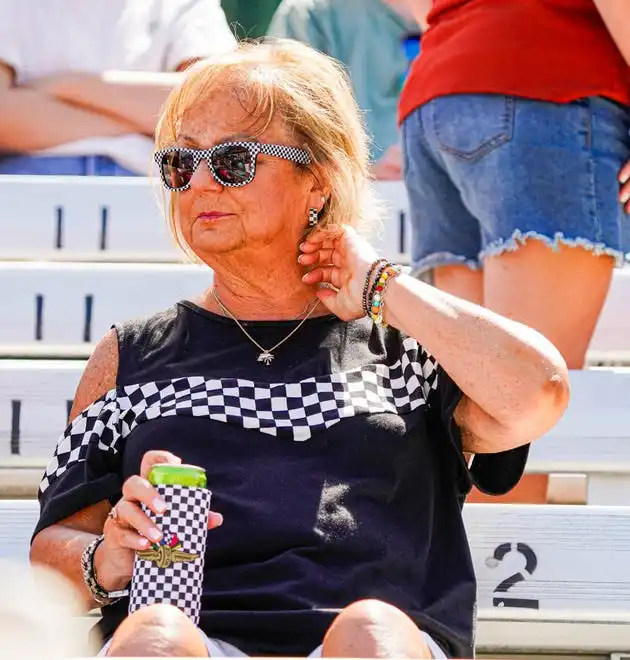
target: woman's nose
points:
(203, 178)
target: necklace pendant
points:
(266, 357)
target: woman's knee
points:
(157, 631)
(373, 628)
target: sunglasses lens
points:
(177, 168)
(233, 165)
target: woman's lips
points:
(212, 215)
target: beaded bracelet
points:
(378, 272)
(377, 302)
(366, 286)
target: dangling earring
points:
(313, 216)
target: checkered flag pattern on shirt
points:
(292, 410)
(171, 571)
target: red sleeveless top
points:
(551, 50)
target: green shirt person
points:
(249, 19)
(366, 36)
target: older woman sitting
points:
(331, 399)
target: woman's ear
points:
(319, 192)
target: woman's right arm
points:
(61, 545)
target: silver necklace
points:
(266, 354)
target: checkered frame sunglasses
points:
(232, 164)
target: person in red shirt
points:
(515, 120)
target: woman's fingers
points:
(214, 520)
(324, 257)
(138, 489)
(317, 241)
(328, 274)
(131, 515)
(135, 530)
(123, 537)
(156, 457)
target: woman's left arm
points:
(515, 382)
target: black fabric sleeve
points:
(86, 467)
(493, 474)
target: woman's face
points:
(271, 212)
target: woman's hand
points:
(624, 193)
(131, 529)
(342, 258)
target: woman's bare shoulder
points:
(99, 375)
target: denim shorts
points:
(486, 172)
(61, 165)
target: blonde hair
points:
(312, 96)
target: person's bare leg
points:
(374, 629)
(560, 293)
(460, 281)
(158, 631)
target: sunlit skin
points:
(253, 246)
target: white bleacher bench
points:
(83, 218)
(74, 303)
(61, 308)
(118, 219)
(553, 568)
(592, 438)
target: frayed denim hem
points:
(519, 238)
(442, 259)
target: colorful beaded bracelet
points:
(377, 300)
(365, 304)
(375, 276)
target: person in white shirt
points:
(82, 83)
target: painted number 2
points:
(531, 562)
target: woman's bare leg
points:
(460, 281)
(560, 293)
(373, 629)
(158, 631)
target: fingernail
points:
(159, 505)
(218, 519)
(623, 178)
(624, 197)
(143, 543)
(300, 258)
(155, 534)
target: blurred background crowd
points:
(85, 96)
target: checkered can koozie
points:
(171, 571)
